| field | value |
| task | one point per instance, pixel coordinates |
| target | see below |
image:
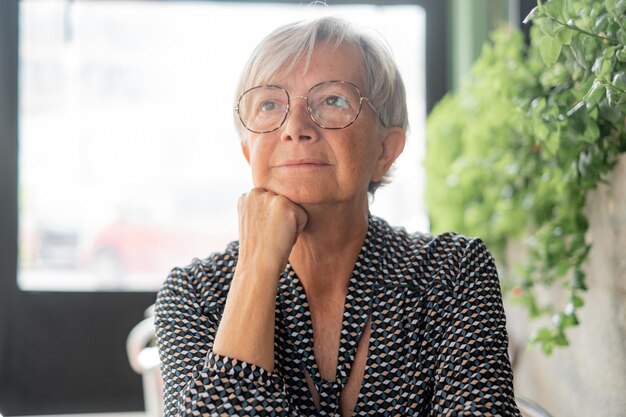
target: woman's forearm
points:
(269, 225)
(246, 330)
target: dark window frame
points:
(39, 330)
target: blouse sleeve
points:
(473, 376)
(196, 381)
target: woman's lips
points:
(303, 163)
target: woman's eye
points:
(268, 105)
(337, 101)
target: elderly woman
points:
(321, 309)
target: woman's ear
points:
(245, 150)
(391, 146)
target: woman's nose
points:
(299, 125)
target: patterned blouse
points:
(438, 344)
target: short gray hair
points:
(282, 49)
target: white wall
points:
(588, 378)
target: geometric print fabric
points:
(438, 343)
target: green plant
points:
(522, 141)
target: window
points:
(130, 163)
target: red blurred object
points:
(130, 247)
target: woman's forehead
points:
(327, 61)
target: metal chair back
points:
(530, 408)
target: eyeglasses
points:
(330, 104)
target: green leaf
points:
(602, 23)
(560, 339)
(579, 280)
(621, 36)
(569, 320)
(612, 114)
(562, 267)
(547, 347)
(538, 104)
(613, 95)
(597, 64)
(547, 26)
(619, 80)
(581, 222)
(603, 66)
(539, 129)
(550, 49)
(553, 142)
(608, 54)
(595, 94)
(592, 132)
(554, 8)
(611, 6)
(541, 335)
(565, 35)
(579, 56)
(577, 301)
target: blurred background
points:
(119, 160)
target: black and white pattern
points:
(438, 344)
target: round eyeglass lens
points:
(334, 104)
(263, 109)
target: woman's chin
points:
(305, 197)
(303, 193)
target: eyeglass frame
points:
(309, 111)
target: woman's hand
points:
(269, 225)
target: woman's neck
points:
(326, 250)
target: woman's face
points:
(309, 164)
